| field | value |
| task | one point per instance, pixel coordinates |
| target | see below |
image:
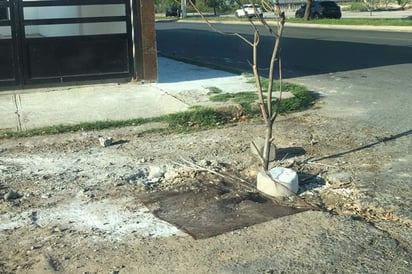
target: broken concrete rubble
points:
(105, 141)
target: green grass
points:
(197, 118)
(89, 126)
(355, 21)
(357, 6)
(247, 100)
(303, 98)
(214, 90)
(342, 21)
(239, 97)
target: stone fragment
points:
(46, 196)
(339, 178)
(156, 173)
(11, 195)
(105, 141)
(205, 163)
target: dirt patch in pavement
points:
(203, 208)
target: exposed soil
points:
(155, 203)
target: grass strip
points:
(342, 21)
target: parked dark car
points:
(173, 11)
(324, 9)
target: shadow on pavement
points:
(380, 140)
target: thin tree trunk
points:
(308, 10)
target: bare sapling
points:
(266, 98)
(370, 5)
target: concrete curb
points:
(314, 26)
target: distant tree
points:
(217, 5)
(308, 10)
(402, 3)
(213, 4)
(162, 5)
(370, 5)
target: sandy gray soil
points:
(69, 205)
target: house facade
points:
(61, 41)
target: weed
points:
(214, 90)
(199, 118)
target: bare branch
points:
(268, 8)
(263, 109)
(262, 158)
(274, 115)
(275, 53)
(225, 176)
(217, 30)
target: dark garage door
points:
(56, 41)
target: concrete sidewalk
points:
(179, 87)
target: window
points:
(3, 14)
